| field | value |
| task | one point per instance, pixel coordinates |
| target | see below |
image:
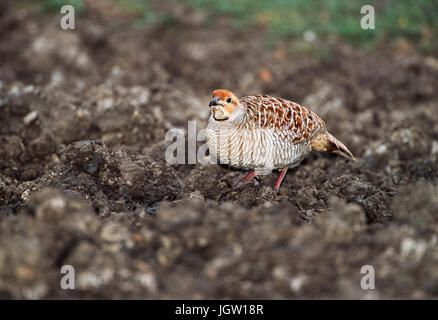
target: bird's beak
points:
(213, 102)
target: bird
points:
(262, 133)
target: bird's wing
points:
(293, 121)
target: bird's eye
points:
(229, 100)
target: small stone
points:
(30, 117)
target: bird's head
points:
(224, 106)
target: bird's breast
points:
(253, 147)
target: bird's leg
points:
(280, 179)
(242, 180)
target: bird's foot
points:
(280, 179)
(239, 182)
(277, 185)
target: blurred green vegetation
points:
(142, 9)
(53, 6)
(394, 19)
(416, 21)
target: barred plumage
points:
(261, 132)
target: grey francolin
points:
(264, 133)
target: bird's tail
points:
(325, 141)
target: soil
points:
(84, 180)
